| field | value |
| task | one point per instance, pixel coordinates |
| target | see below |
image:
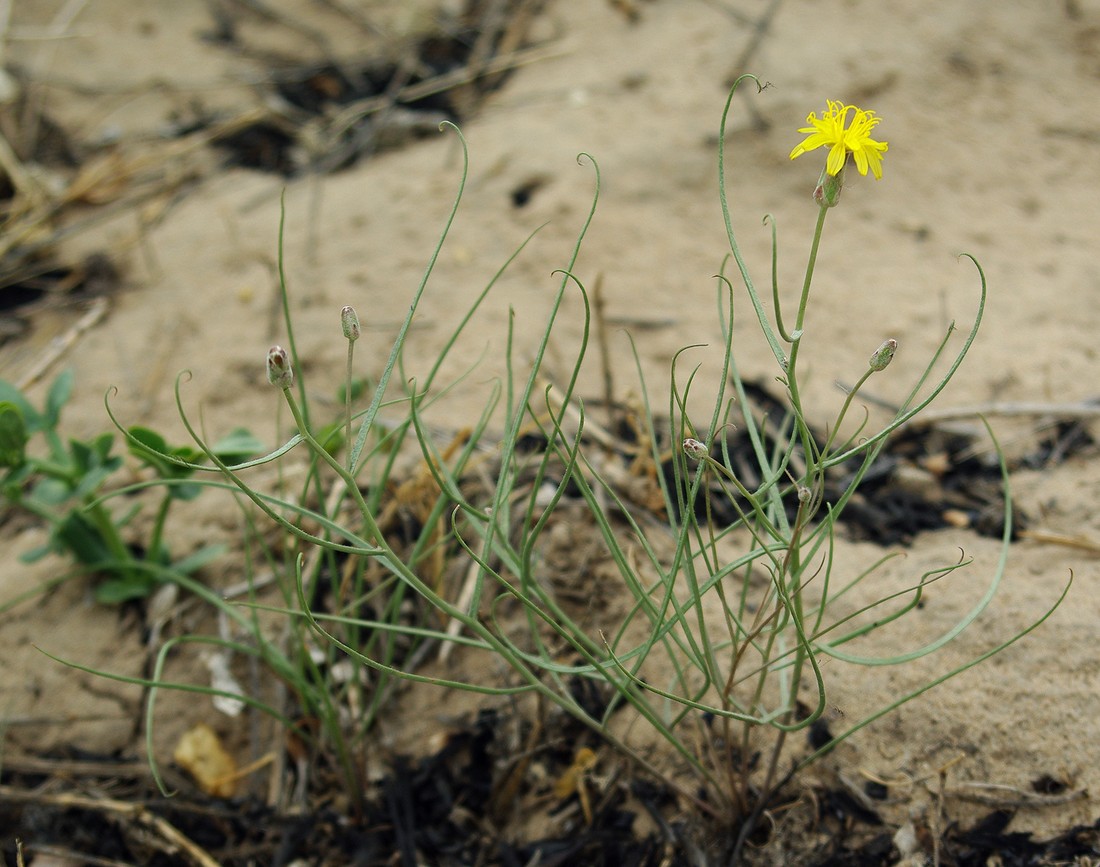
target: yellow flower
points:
(855, 140)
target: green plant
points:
(63, 487)
(328, 709)
(734, 638)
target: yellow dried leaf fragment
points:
(571, 781)
(574, 781)
(201, 754)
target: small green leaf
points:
(153, 450)
(331, 437)
(150, 448)
(101, 446)
(80, 537)
(58, 396)
(186, 492)
(115, 591)
(148, 438)
(91, 480)
(93, 458)
(32, 419)
(51, 492)
(359, 387)
(35, 554)
(13, 435)
(82, 456)
(238, 445)
(197, 559)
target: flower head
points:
(844, 137)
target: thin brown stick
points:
(465, 596)
(71, 856)
(999, 795)
(1081, 543)
(61, 345)
(24, 182)
(170, 841)
(74, 768)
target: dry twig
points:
(165, 836)
(998, 795)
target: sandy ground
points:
(986, 107)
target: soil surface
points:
(187, 121)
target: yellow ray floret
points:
(843, 137)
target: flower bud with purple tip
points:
(695, 449)
(280, 373)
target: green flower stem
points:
(288, 320)
(321, 452)
(844, 411)
(793, 565)
(757, 510)
(796, 342)
(347, 406)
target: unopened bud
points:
(695, 449)
(349, 322)
(828, 189)
(280, 373)
(883, 355)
